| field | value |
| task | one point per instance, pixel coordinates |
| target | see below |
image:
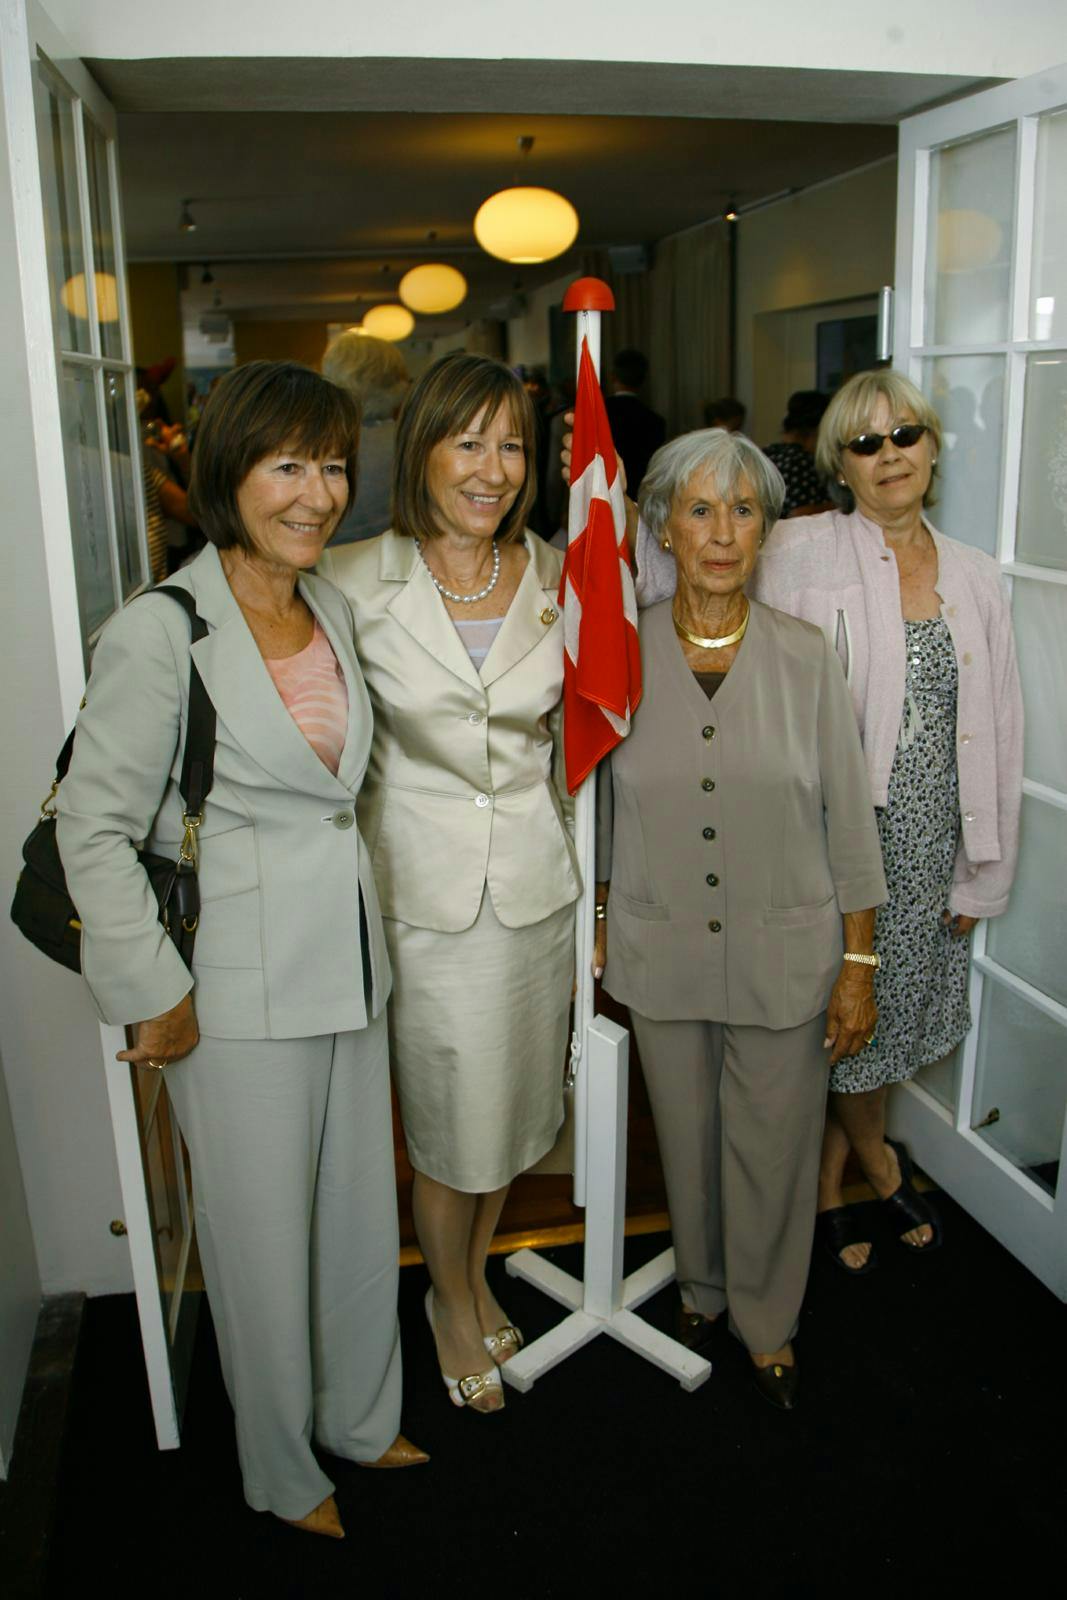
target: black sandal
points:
(836, 1230)
(907, 1209)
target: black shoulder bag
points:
(43, 909)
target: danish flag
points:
(602, 658)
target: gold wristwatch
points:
(862, 961)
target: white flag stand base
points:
(605, 1302)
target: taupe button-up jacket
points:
(459, 794)
(743, 828)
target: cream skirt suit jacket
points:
(473, 859)
(285, 1101)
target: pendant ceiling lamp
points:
(388, 322)
(433, 288)
(525, 224)
(75, 297)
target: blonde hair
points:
(372, 370)
(849, 414)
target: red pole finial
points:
(589, 294)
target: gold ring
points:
(159, 1065)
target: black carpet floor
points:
(925, 1458)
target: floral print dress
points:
(921, 986)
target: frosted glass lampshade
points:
(433, 288)
(388, 322)
(526, 225)
(76, 299)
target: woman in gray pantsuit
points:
(744, 868)
(275, 1044)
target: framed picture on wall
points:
(844, 346)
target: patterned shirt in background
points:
(155, 523)
(803, 485)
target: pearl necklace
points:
(463, 599)
(713, 644)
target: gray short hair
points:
(372, 370)
(849, 414)
(729, 457)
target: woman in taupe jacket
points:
(744, 871)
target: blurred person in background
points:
(375, 374)
(794, 454)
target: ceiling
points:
(315, 185)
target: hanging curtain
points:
(690, 324)
(679, 315)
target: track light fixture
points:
(186, 220)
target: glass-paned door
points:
(95, 450)
(982, 328)
(90, 321)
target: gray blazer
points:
(281, 859)
(743, 828)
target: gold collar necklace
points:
(713, 644)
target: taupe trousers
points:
(739, 1118)
(295, 1199)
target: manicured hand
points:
(957, 924)
(163, 1039)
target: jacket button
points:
(475, 718)
(716, 927)
(965, 738)
(343, 819)
(968, 816)
(966, 658)
(707, 784)
(709, 732)
(481, 800)
(713, 880)
(709, 833)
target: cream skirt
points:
(478, 1040)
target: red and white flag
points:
(602, 658)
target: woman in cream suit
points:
(460, 641)
(738, 885)
(275, 1044)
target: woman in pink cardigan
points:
(923, 627)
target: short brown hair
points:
(258, 409)
(444, 402)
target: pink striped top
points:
(313, 689)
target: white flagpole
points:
(588, 329)
(603, 1301)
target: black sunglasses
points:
(869, 444)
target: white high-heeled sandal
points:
(504, 1343)
(461, 1391)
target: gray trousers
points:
(295, 1198)
(739, 1115)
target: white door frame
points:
(25, 30)
(1026, 1219)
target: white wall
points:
(49, 1039)
(954, 36)
(528, 337)
(20, 1284)
(831, 243)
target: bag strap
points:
(198, 761)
